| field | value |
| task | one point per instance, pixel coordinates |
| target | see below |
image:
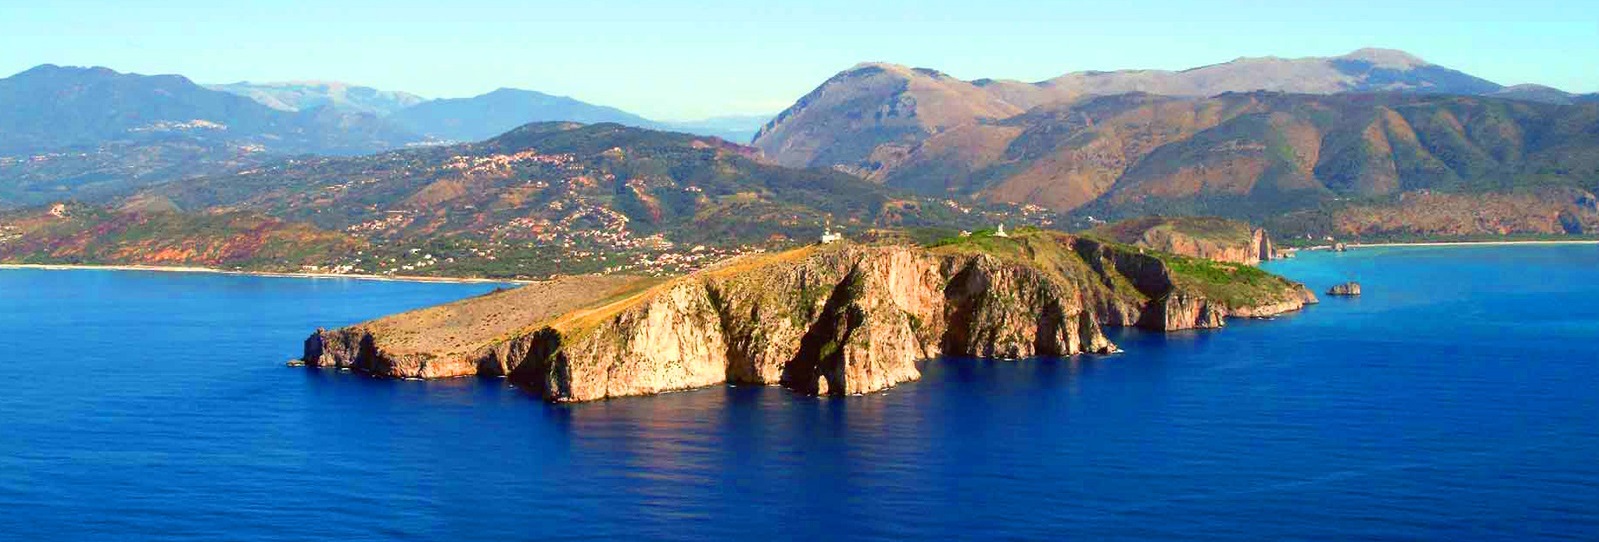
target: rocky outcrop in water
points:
(839, 320)
(1347, 289)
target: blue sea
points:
(1457, 400)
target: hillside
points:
(821, 320)
(1364, 70)
(81, 234)
(1209, 238)
(871, 114)
(91, 132)
(1255, 139)
(1258, 153)
(1421, 216)
(1243, 155)
(555, 198)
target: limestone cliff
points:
(1210, 238)
(833, 320)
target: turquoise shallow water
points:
(1456, 400)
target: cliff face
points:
(483, 335)
(1217, 239)
(835, 320)
(1255, 249)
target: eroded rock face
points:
(1257, 249)
(839, 320)
(1264, 310)
(672, 341)
(354, 349)
(1347, 289)
(1211, 238)
(1260, 244)
(1001, 310)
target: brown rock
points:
(833, 320)
(1347, 289)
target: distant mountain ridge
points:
(1256, 138)
(1545, 94)
(1364, 70)
(488, 115)
(874, 111)
(52, 107)
(1253, 154)
(477, 117)
(94, 133)
(302, 95)
(68, 132)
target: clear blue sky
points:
(697, 58)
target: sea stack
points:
(1347, 289)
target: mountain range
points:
(51, 108)
(302, 95)
(94, 133)
(1254, 138)
(1346, 145)
(877, 104)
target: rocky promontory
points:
(827, 320)
(1211, 238)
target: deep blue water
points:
(1457, 400)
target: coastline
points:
(1352, 246)
(302, 275)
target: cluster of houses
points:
(500, 164)
(180, 126)
(392, 220)
(38, 158)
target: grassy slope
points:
(577, 306)
(1222, 231)
(465, 326)
(1231, 284)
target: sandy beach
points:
(1352, 246)
(183, 269)
(1476, 243)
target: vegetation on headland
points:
(1201, 228)
(832, 318)
(1233, 284)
